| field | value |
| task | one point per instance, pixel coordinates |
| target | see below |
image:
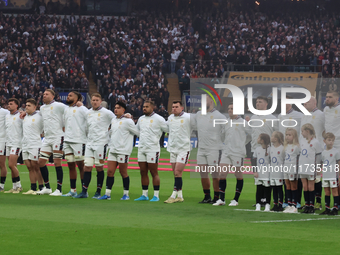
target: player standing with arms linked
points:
(31, 144)
(121, 142)
(75, 138)
(150, 126)
(3, 168)
(179, 147)
(52, 113)
(98, 122)
(13, 142)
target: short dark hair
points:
(262, 98)
(177, 102)
(16, 101)
(80, 97)
(149, 102)
(121, 104)
(335, 93)
(31, 101)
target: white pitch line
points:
(278, 221)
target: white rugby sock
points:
(108, 192)
(126, 192)
(145, 193)
(179, 194)
(156, 193)
(174, 194)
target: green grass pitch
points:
(61, 225)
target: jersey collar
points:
(238, 117)
(181, 113)
(315, 109)
(290, 111)
(32, 113)
(213, 110)
(150, 114)
(15, 113)
(100, 107)
(121, 116)
(51, 102)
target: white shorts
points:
(181, 157)
(231, 160)
(276, 182)
(208, 157)
(77, 149)
(265, 183)
(118, 158)
(31, 154)
(2, 149)
(12, 151)
(96, 152)
(309, 177)
(151, 157)
(290, 176)
(50, 145)
(330, 183)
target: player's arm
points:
(193, 121)
(133, 128)
(163, 125)
(256, 174)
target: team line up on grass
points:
(84, 137)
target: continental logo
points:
(261, 78)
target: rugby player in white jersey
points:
(31, 144)
(209, 148)
(317, 120)
(98, 123)
(52, 113)
(289, 118)
(13, 125)
(332, 117)
(75, 138)
(150, 126)
(3, 168)
(233, 155)
(120, 147)
(266, 124)
(179, 147)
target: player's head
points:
(291, 137)
(73, 97)
(96, 100)
(177, 107)
(13, 104)
(148, 107)
(261, 103)
(329, 139)
(332, 98)
(31, 105)
(311, 104)
(48, 96)
(231, 110)
(120, 109)
(277, 137)
(210, 103)
(264, 139)
(308, 131)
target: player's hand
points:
(256, 175)
(127, 115)
(22, 115)
(247, 118)
(78, 104)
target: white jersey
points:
(98, 123)
(179, 133)
(13, 130)
(317, 120)
(330, 167)
(53, 119)
(262, 157)
(291, 162)
(332, 122)
(235, 138)
(75, 128)
(277, 156)
(209, 137)
(310, 156)
(3, 113)
(289, 117)
(32, 129)
(150, 131)
(122, 132)
(269, 126)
